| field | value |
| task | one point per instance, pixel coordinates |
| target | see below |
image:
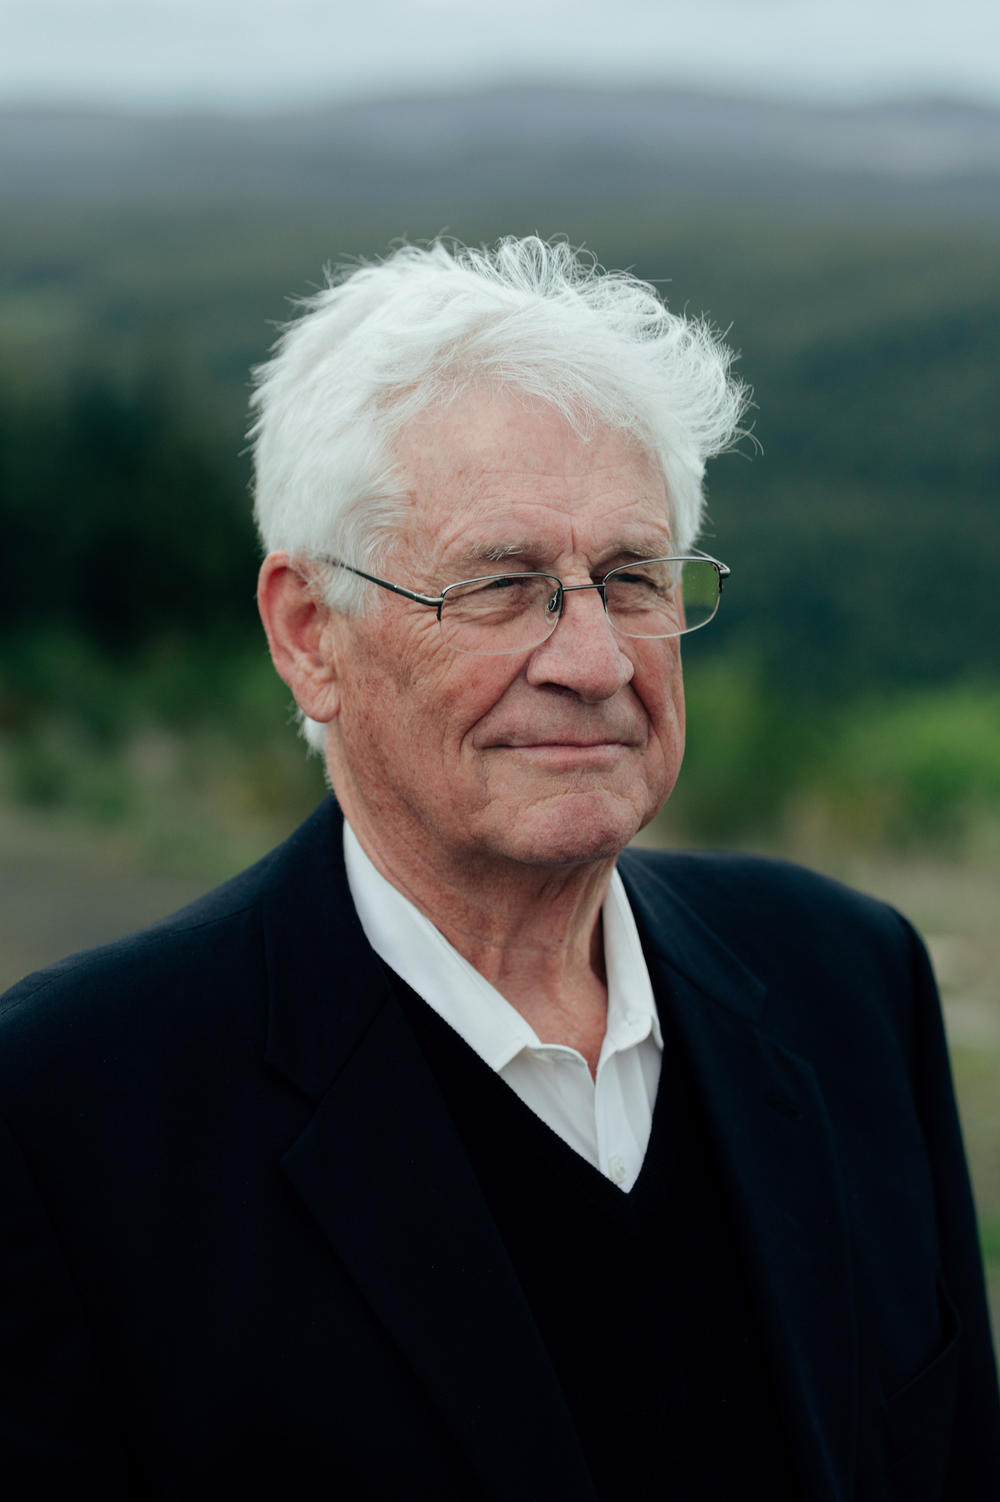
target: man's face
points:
(549, 757)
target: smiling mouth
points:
(570, 741)
(571, 750)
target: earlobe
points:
(298, 626)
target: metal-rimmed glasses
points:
(496, 614)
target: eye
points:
(639, 579)
(496, 595)
(642, 598)
(504, 581)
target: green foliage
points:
(989, 1237)
(119, 511)
(917, 768)
(746, 750)
(191, 752)
(920, 769)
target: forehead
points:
(507, 473)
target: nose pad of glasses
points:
(553, 604)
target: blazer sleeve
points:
(974, 1462)
(58, 1439)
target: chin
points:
(568, 834)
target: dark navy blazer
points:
(243, 1253)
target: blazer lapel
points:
(384, 1174)
(775, 1149)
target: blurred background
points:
(822, 180)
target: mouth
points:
(568, 743)
(578, 741)
(569, 752)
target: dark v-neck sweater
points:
(640, 1298)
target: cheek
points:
(417, 702)
(374, 713)
(679, 705)
(667, 727)
(475, 687)
(675, 716)
(660, 687)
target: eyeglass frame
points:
(695, 556)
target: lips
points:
(562, 745)
(566, 739)
(565, 753)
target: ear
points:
(298, 626)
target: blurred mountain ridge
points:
(552, 145)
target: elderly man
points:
(453, 1150)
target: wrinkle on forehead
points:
(540, 534)
(501, 479)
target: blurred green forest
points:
(850, 687)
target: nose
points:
(583, 654)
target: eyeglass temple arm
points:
(397, 589)
(724, 569)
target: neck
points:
(533, 932)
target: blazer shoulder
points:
(144, 950)
(182, 955)
(775, 914)
(732, 878)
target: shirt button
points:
(616, 1169)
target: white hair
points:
(383, 342)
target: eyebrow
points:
(499, 552)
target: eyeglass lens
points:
(515, 612)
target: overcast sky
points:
(261, 53)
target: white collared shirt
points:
(606, 1120)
